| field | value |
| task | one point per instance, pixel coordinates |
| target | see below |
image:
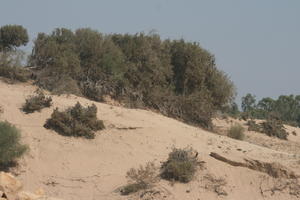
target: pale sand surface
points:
(76, 169)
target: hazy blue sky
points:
(256, 42)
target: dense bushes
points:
(36, 102)
(271, 127)
(10, 146)
(177, 78)
(75, 121)
(181, 165)
(236, 132)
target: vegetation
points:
(10, 146)
(253, 126)
(140, 179)
(36, 102)
(285, 108)
(274, 127)
(236, 132)
(11, 37)
(177, 78)
(76, 121)
(181, 166)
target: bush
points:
(181, 166)
(15, 73)
(140, 179)
(274, 127)
(36, 102)
(10, 146)
(236, 132)
(253, 126)
(76, 121)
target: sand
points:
(76, 168)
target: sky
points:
(256, 42)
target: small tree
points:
(12, 36)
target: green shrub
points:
(140, 179)
(10, 146)
(274, 127)
(236, 132)
(36, 102)
(253, 126)
(75, 121)
(181, 166)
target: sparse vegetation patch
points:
(140, 179)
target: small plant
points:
(76, 121)
(236, 132)
(10, 146)
(253, 126)
(36, 102)
(181, 165)
(140, 179)
(274, 127)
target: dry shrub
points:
(181, 165)
(10, 146)
(36, 102)
(253, 126)
(274, 127)
(140, 179)
(236, 131)
(75, 121)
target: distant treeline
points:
(285, 108)
(178, 78)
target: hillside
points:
(75, 168)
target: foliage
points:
(181, 166)
(287, 108)
(253, 126)
(139, 70)
(10, 66)
(10, 146)
(36, 102)
(274, 127)
(236, 131)
(141, 178)
(75, 121)
(12, 36)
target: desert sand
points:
(75, 168)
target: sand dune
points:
(76, 168)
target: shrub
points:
(274, 127)
(253, 126)
(75, 121)
(140, 179)
(181, 166)
(36, 102)
(15, 73)
(236, 132)
(10, 146)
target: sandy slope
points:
(74, 168)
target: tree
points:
(248, 103)
(12, 36)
